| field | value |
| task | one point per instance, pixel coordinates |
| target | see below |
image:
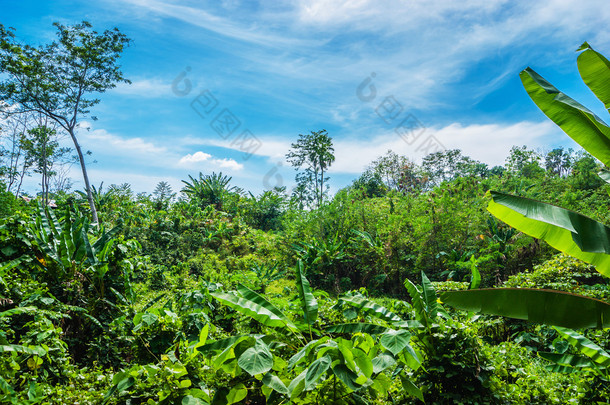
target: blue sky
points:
(444, 74)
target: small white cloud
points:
(195, 158)
(213, 163)
(228, 163)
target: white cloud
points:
(194, 158)
(487, 143)
(228, 163)
(272, 147)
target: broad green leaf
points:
(383, 361)
(345, 348)
(308, 301)
(381, 384)
(5, 387)
(347, 376)
(273, 381)
(568, 231)
(203, 337)
(364, 363)
(257, 359)
(475, 278)
(125, 383)
(18, 311)
(301, 354)
(315, 370)
(417, 302)
(236, 394)
(542, 306)
(258, 312)
(34, 350)
(429, 296)
(395, 340)
(411, 388)
(105, 238)
(223, 344)
(191, 400)
(585, 346)
(594, 69)
(220, 396)
(250, 295)
(574, 119)
(358, 327)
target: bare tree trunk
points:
(321, 187)
(94, 218)
(45, 190)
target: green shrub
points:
(564, 273)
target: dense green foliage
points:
(218, 297)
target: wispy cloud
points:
(199, 17)
(103, 141)
(145, 88)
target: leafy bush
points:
(564, 273)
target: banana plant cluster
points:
(567, 231)
(66, 243)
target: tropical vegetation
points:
(386, 292)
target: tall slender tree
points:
(57, 79)
(314, 153)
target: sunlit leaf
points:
(395, 340)
(257, 359)
(573, 118)
(567, 231)
(308, 301)
(594, 69)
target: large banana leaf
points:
(262, 312)
(585, 346)
(309, 303)
(565, 230)
(594, 69)
(573, 118)
(541, 306)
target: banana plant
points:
(591, 357)
(66, 242)
(337, 362)
(565, 230)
